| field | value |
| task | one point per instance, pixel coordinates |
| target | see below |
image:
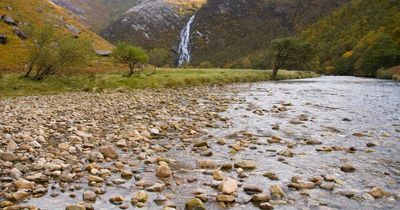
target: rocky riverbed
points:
(324, 143)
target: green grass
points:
(12, 85)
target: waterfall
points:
(184, 52)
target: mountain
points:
(97, 13)
(152, 23)
(16, 14)
(225, 30)
(359, 38)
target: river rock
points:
(15, 173)
(11, 146)
(140, 197)
(218, 175)
(163, 171)
(204, 164)
(276, 191)
(271, 175)
(158, 187)
(92, 178)
(108, 152)
(126, 174)
(286, 153)
(75, 207)
(117, 200)
(225, 198)
(195, 204)
(122, 143)
(275, 140)
(8, 156)
(347, 168)
(246, 164)
(89, 196)
(377, 192)
(327, 186)
(19, 196)
(221, 141)
(63, 146)
(261, 197)
(252, 189)
(24, 184)
(266, 206)
(228, 186)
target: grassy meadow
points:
(12, 84)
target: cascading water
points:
(184, 51)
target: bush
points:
(48, 56)
(134, 57)
(383, 53)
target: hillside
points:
(97, 13)
(227, 30)
(344, 39)
(37, 12)
(153, 23)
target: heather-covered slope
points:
(359, 38)
(37, 12)
(97, 13)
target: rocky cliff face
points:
(225, 30)
(96, 13)
(152, 23)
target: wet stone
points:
(246, 165)
(195, 204)
(347, 168)
(117, 200)
(225, 198)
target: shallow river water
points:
(344, 113)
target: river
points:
(307, 128)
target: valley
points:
(199, 104)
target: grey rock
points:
(74, 30)
(10, 21)
(20, 33)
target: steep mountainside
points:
(225, 30)
(97, 13)
(16, 14)
(346, 39)
(152, 23)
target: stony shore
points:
(150, 148)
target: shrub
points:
(383, 53)
(134, 57)
(48, 56)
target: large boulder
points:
(103, 53)
(10, 21)
(74, 30)
(20, 33)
